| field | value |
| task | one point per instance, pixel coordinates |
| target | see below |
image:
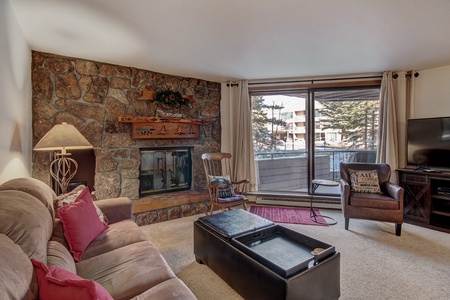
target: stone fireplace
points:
(93, 96)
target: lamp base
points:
(63, 169)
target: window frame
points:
(311, 87)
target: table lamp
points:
(63, 137)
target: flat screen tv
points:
(429, 143)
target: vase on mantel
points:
(161, 113)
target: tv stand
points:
(427, 198)
(427, 170)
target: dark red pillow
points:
(81, 223)
(56, 283)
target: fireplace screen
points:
(165, 170)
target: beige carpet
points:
(375, 263)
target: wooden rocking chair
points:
(224, 192)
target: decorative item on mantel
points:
(166, 124)
(165, 114)
(164, 128)
(172, 99)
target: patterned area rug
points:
(287, 215)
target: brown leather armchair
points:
(386, 206)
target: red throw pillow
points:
(81, 223)
(56, 283)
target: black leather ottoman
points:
(262, 260)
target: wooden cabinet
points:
(427, 198)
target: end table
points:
(315, 184)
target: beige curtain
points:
(237, 135)
(396, 99)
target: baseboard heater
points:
(302, 202)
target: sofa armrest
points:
(116, 209)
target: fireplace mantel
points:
(164, 128)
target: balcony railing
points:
(287, 170)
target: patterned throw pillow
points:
(70, 198)
(225, 188)
(364, 181)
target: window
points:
(302, 135)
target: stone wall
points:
(92, 95)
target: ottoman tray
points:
(282, 250)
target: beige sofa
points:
(121, 259)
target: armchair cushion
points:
(225, 186)
(364, 181)
(371, 200)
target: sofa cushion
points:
(59, 284)
(17, 280)
(59, 256)
(58, 234)
(26, 222)
(128, 271)
(81, 223)
(118, 235)
(34, 187)
(170, 289)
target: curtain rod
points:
(312, 80)
(232, 84)
(407, 75)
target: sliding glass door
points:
(345, 129)
(279, 135)
(303, 135)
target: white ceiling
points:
(244, 39)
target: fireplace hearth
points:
(165, 170)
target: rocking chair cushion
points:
(231, 199)
(225, 187)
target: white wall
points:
(15, 98)
(432, 93)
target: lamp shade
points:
(63, 137)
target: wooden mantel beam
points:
(138, 119)
(164, 128)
